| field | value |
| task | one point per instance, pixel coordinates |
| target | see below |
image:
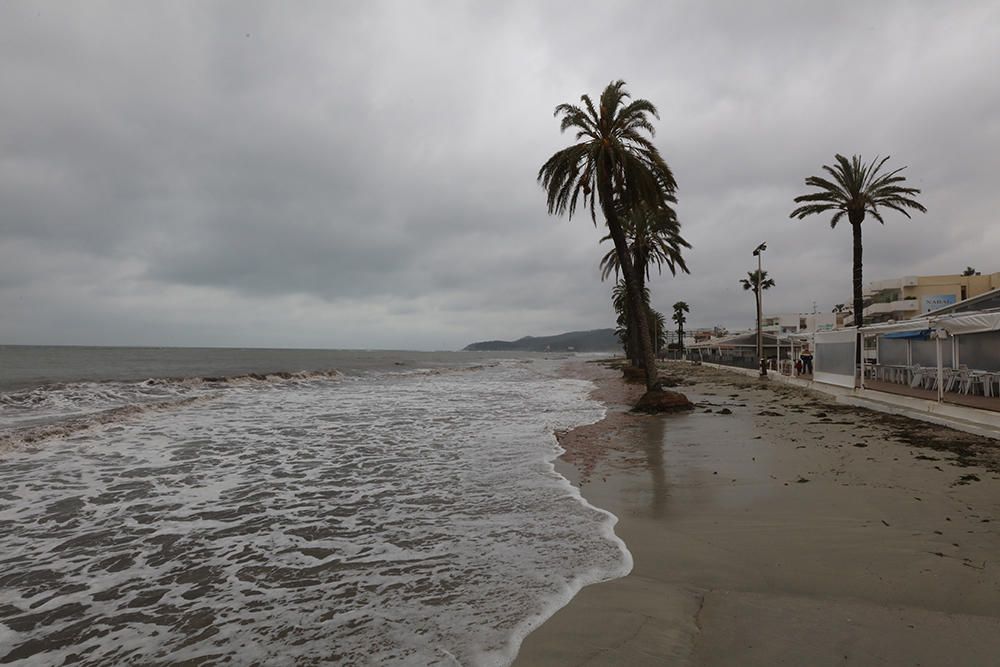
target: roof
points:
(741, 340)
(953, 323)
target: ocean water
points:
(400, 510)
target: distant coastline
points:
(595, 340)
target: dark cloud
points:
(363, 174)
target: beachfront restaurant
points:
(951, 358)
(739, 350)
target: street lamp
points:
(759, 252)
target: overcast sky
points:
(362, 174)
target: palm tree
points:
(680, 308)
(758, 282)
(659, 332)
(857, 189)
(969, 271)
(654, 238)
(624, 330)
(614, 166)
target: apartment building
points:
(911, 296)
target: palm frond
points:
(753, 277)
(654, 236)
(857, 188)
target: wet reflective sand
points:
(773, 526)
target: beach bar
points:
(952, 358)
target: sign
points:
(938, 301)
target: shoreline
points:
(775, 526)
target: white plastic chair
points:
(972, 380)
(990, 379)
(956, 378)
(930, 379)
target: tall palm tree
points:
(613, 165)
(857, 189)
(654, 237)
(751, 282)
(680, 308)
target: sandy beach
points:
(773, 526)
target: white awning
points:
(890, 327)
(970, 323)
(965, 323)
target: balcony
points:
(906, 308)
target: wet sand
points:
(772, 526)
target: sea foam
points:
(410, 518)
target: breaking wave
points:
(62, 409)
(379, 519)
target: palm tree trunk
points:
(634, 347)
(756, 301)
(859, 302)
(637, 353)
(636, 305)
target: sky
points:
(363, 174)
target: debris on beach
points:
(965, 479)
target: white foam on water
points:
(412, 518)
(60, 410)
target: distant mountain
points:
(595, 340)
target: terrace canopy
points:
(945, 341)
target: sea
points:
(164, 506)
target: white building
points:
(786, 323)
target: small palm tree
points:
(654, 238)
(614, 166)
(751, 282)
(625, 333)
(969, 271)
(659, 332)
(680, 308)
(856, 190)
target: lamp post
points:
(758, 252)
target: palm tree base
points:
(656, 401)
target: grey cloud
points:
(173, 173)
